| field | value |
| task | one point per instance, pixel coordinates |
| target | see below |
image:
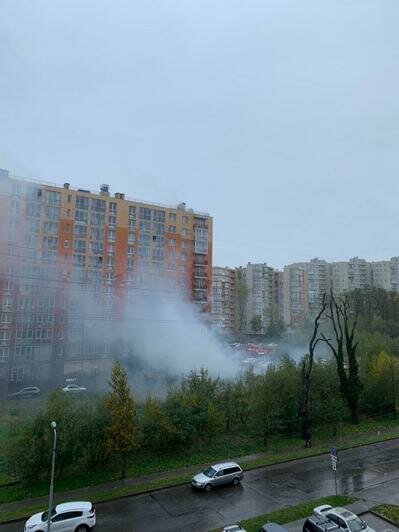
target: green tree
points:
(158, 433)
(256, 324)
(384, 372)
(266, 404)
(276, 327)
(122, 432)
(326, 404)
(81, 429)
(344, 348)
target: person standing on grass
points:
(308, 439)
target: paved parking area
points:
(378, 524)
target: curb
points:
(152, 490)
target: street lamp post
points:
(50, 499)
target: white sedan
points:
(74, 388)
(66, 517)
(343, 517)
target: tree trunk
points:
(124, 465)
(306, 370)
(265, 438)
(304, 406)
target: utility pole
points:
(50, 499)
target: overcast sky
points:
(278, 117)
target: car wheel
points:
(208, 487)
(82, 528)
(236, 481)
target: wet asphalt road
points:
(263, 490)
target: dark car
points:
(272, 527)
(29, 391)
(316, 523)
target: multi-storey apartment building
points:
(318, 277)
(72, 259)
(347, 276)
(295, 294)
(261, 296)
(223, 300)
(385, 274)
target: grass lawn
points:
(223, 447)
(292, 513)
(388, 511)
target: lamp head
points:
(53, 425)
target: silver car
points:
(343, 517)
(217, 475)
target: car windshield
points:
(356, 524)
(45, 514)
(209, 472)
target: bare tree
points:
(306, 371)
(344, 350)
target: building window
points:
(4, 335)
(4, 353)
(6, 304)
(185, 244)
(171, 254)
(7, 288)
(68, 228)
(17, 374)
(69, 198)
(183, 268)
(79, 260)
(183, 256)
(68, 213)
(111, 219)
(184, 232)
(132, 211)
(130, 237)
(184, 219)
(82, 202)
(172, 229)
(130, 251)
(145, 213)
(52, 197)
(80, 230)
(111, 235)
(172, 217)
(171, 267)
(112, 207)
(66, 243)
(79, 246)
(50, 228)
(172, 242)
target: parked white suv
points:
(66, 517)
(343, 517)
